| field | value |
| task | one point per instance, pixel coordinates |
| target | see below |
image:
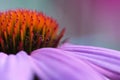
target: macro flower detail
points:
(30, 50)
(27, 30)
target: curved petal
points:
(56, 64)
(3, 57)
(16, 67)
(104, 60)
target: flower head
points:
(24, 32)
(27, 30)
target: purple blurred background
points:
(91, 22)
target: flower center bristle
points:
(27, 30)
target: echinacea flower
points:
(30, 50)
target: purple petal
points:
(56, 64)
(104, 60)
(15, 67)
(3, 57)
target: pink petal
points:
(56, 64)
(15, 67)
(106, 61)
(3, 57)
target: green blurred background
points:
(88, 22)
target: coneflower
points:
(27, 30)
(30, 50)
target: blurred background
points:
(88, 22)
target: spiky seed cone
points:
(27, 30)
